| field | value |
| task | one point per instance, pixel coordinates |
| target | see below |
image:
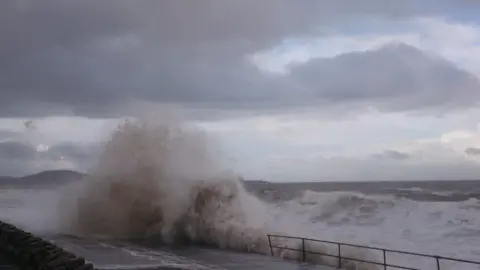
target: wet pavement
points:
(128, 256)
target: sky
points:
(301, 90)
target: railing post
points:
(384, 259)
(270, 244)
(339, 256)
(303, 249)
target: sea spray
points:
(161, 180)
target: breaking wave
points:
(161, 181)
(352, 208)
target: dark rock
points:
(31, 252)
(62, 260)
(75, 263)
(87, 266)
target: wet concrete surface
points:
(126, 256)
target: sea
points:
(156, 199)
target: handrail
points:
(340, 257)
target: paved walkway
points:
(242, 261)
(129, 257)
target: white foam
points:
(163, 180)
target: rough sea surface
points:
(438, 218)
(158, 198)
(435, 217)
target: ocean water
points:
(35, 210)
(157, 196)
(437, 217)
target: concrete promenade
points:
(22, 250)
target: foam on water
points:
(438, 228)
(163, 181)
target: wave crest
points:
(160, 181)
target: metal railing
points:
(339, 256)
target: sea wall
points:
(28, 251)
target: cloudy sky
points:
(329, 90)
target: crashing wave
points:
(160, 181)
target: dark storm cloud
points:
(472, 151)
(87, 57)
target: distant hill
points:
(55, 177)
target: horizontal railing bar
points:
(307, 251)
(320, 253)
(378, 263)
(456, 260)
(328, 242)
(287, 248)
(349, 258)
(377, 248)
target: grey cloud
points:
(472, 151)
(6, 135)
(92, 57)
(373, 169)
(21, 158)
(396, 77)
(25, 151)
(41, 24)
(392, 155)
(82, 154)
(17, 151)
(423, 170)
(14, 168)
